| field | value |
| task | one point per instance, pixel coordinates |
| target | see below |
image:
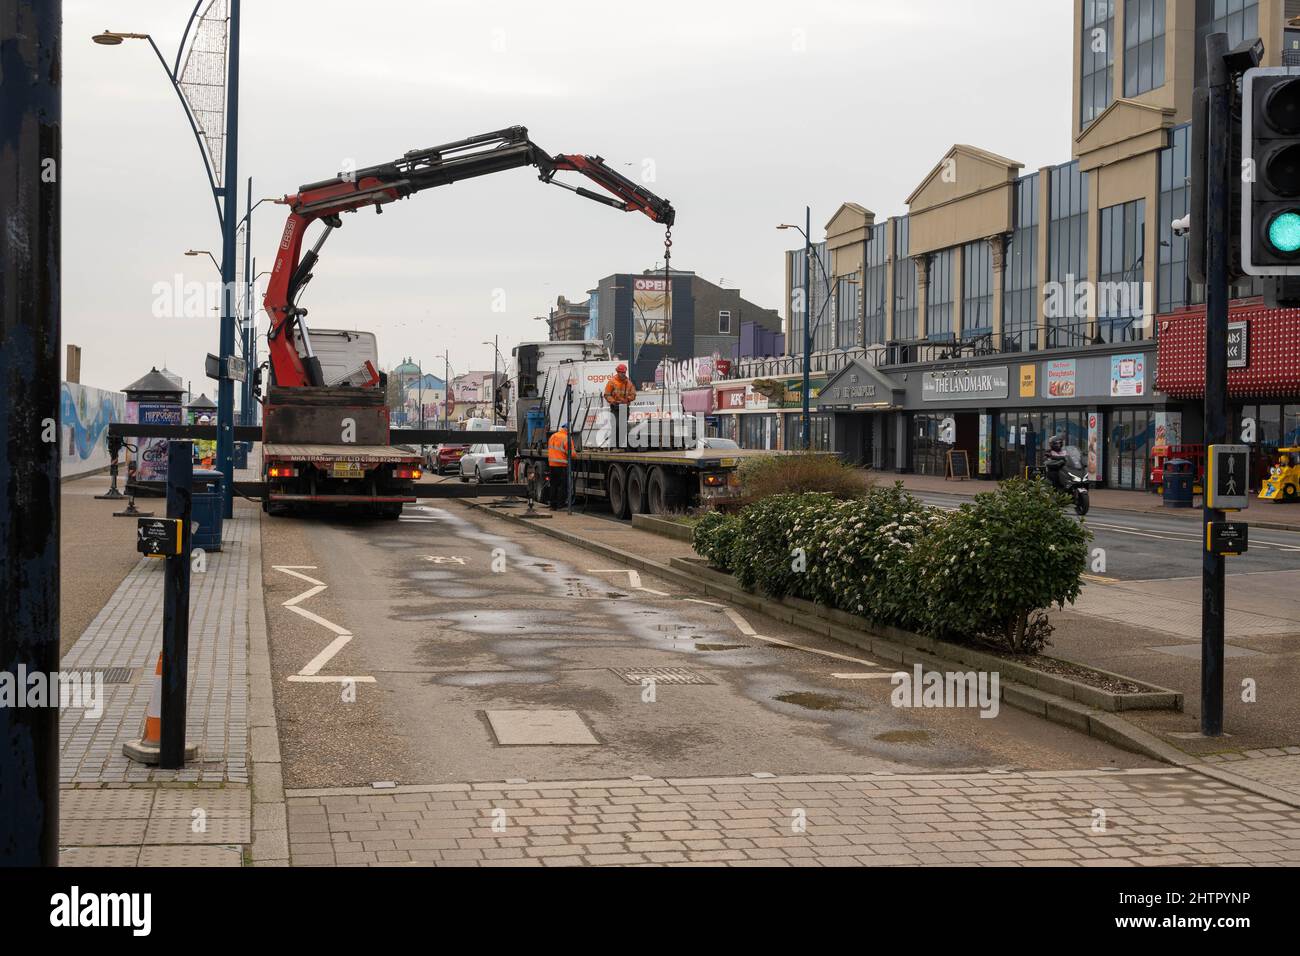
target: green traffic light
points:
(1284, 232)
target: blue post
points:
(226, 387)
(30, 175)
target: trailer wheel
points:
(636, 490)
(616, 487)
(664, 492)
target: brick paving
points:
(1160, 817)
(127, 632)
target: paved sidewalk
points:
(114, 812)
(1162, 817)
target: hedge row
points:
(985, 572)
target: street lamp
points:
(204, 252)
(223, 198)
(807, 318)
(496, 353)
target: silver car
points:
(485, 463)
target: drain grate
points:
(118, 675)
(660, 675)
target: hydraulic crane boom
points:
(417, 170)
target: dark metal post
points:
(226, 387)
(807, 325)
(30, 154)
(568, 428)
(246, 389)
(1216, 367)
(176, 608)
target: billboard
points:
(1127, 376)
(1062, 379)
(651, 321)
(84, 417)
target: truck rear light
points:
(412, 473)
(282, 471)
(715, 481)
(489, 460)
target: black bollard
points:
(176, 608)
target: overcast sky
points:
(748, 111)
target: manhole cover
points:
(660, 675)
(118, 675)
(539, 727)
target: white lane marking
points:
(312, 667)
(293, 569)
(653, 591)
(317, 619)
(299, 678)
(709, 603)
(633, 577)
(743, 626)
(310, 671)
(876, 676)
(311, 592)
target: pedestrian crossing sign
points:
(1228, 480)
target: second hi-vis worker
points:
(558, 448)
(619, 394)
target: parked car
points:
(446, 458)
(484, 463)
(716, 444)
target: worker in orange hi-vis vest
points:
(558, 448)
(619, 394)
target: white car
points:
(485, 463)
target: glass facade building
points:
(977, 290)
(939, 297)
(1144, 46)
(1120, 286)
(904, 284)
(1067, 256)
(875, 286)
(1020, 304)
(1097, 59)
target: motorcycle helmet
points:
(1056, 443)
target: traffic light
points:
(1198, 199)
(1270, 172)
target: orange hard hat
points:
(621, 368)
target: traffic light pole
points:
(30, 182)
(1218, 239)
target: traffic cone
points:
(148, 748)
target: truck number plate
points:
(347, 469)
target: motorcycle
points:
(1067, 473)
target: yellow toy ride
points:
(1283, 481)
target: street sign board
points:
(1238, 345)
(1229, 475)
(158, 537)
(1228, 538)
(236, 368)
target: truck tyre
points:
(616, 487)
(636, 490)
(664, 492)
(1289, 493)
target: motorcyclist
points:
(1056, 461)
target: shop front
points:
(858, 406)
(1000, 415)
(1263, 378)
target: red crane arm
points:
(378, 185)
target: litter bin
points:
(241, 454)
(1177, 481)
(206, 509)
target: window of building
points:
(1130, 435)
(819, 431)
(846, 312)
(1119, 282)
(757, 431)
(938, 311)
(875, 286)
(904, 284)
(823, 327)
(1144, 46)
(1097, 60)
(977, 290)
(1067, 257)
(724, 322)
(1020, 276)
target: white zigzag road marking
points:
(310, 672)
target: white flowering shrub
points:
(857, 554)
(764, 551)
(990, 568)
(714, 537)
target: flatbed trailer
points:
(376, 478)
(644, 482)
